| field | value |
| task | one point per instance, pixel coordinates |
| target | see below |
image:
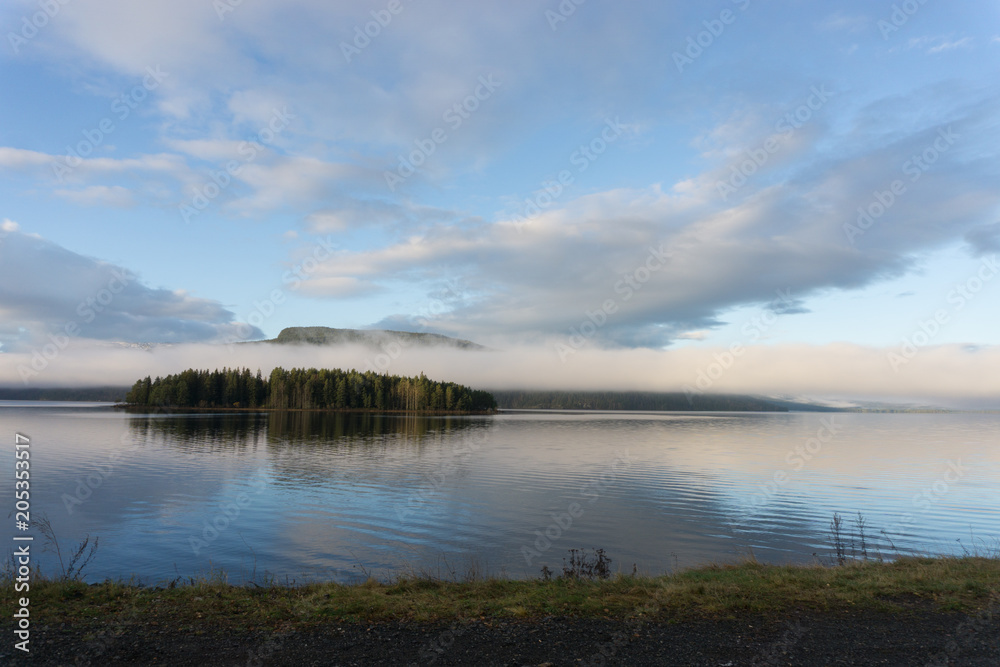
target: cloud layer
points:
(517, 174)
(943, 375)
(48, 291)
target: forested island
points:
(307, 389)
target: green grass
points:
(961, 584)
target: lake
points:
(314, 496)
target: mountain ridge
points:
(370, 337)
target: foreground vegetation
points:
(964, 584)
(856, 578)
(307, 389)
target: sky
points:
(733, 195)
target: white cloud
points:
(98, 195)
(293, 181)
(19, 158)
(543, 278)
(9, 225)
(81, 169)
(353, 213)
(964, 43)
(341, 287)
(210, 150)
(783, 229)
(940, 43)
(46, 289)
(840, 21)
(918, 42)
(984, 239)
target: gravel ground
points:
(865, 638)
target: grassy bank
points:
(956, 584)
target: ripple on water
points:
(413, 498)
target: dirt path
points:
(866, 638)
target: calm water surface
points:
(317, 496)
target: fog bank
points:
(944, 375)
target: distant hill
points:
(369, 337)
(96, 394)
(632, 400)
(801, 406)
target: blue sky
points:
(212, 149)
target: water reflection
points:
(241, 428)
(302, 448)
(336, 492)
(334, 426)
(201, 433)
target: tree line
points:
(301, 388)
(630, 400)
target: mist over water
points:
(333, 496)
(936, 375)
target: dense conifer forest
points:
(101, 394)
(630, 400)
(307, 389)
